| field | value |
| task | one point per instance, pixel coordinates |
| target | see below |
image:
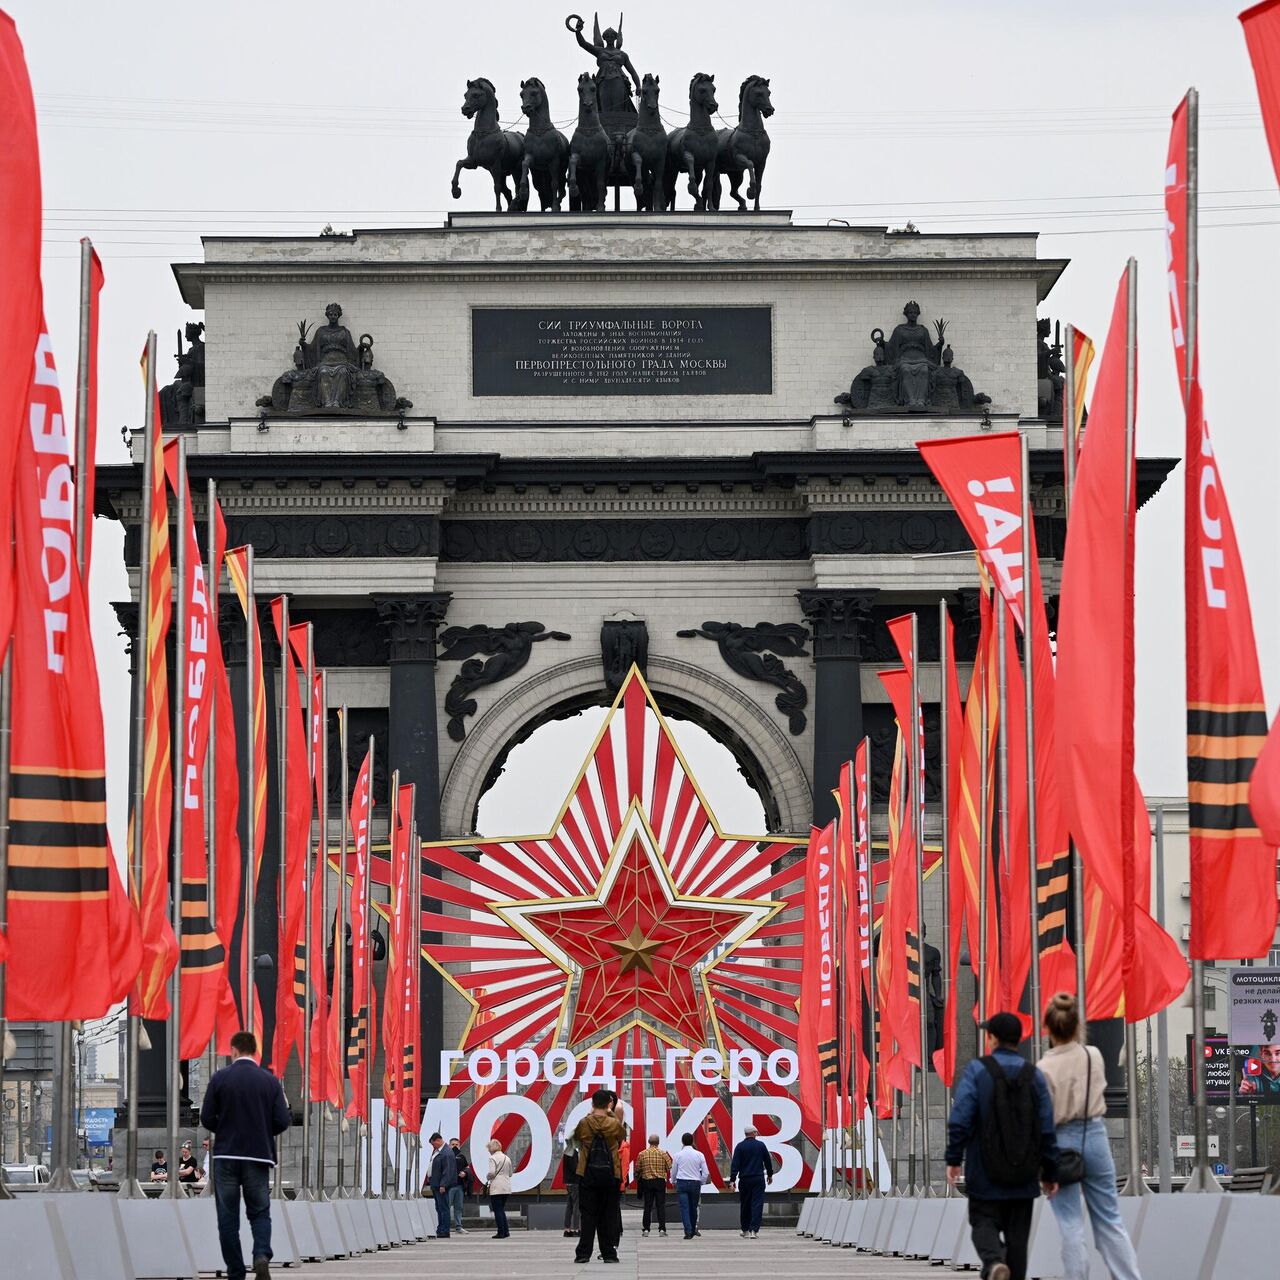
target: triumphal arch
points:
(511, 464)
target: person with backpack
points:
(1076, 1078)
(599, 1135)
(1001, 1130)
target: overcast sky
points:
(160, 122)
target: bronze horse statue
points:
(746, 148)
(647, 148)
(489, 146)
(692, 148)
(588, 151)
(546, 150)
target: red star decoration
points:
(637, 949)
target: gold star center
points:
(636, 951)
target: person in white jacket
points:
(689, 1173)
(499, 1187)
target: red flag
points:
(358, 1060)
(159, 947)
(899, 965)
(96, 281)
(1095, 675)
(1262, 35)
(226, 796)
(237, 571)
(1082, 354)
(20, 302)
(849, 1031)
(393, 1002)
(411, 1014)
(1233, 870)
(72, 938)
(944, 1060)
(291, 982)
(816, 1028)
(1264, 788)
(203, 957)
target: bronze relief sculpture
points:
(332, 374)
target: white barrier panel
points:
(33, 1247)
(954, 1224)
(356, 1225)
(838, 1221)
(965, 1255)
(156, 1242)
(871, 1223)
(93, 1235)
(893, 1206)
(403, 1221)
(301, 1223)
(282, 1246)
(333, 1243)
(924, 1230)
(852, 1224)
(1247, 1227)
(200, 1225)
(384, 1232)
(902, 1222)
(1173, 1234)
(806, 1212)
(830, 1207)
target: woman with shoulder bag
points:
(499, 1187)
(1076, 1078)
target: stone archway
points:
(761, 748)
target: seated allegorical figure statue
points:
(911, 350)
(950, 388)
(331, 374)
(875, 387)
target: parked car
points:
(25, 1177)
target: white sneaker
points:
(462, 1231)
(744, 1234)
(755, 1235)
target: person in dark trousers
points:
(653, 1168)
(598, 1135)
(441, 1178)
(1001, 1129)
(689, 1173)
(244, 1108)
(462, 1188)
(751, 1167)
(569, 1171)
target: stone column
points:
(413, 748)
(840, 619)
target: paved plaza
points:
(540, 1255)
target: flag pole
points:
(322, 1123)
(1136, 1184)
(130, 1187)
(212, 573)
(984, 843)
(873, 1125)
(415, 880)
(945, 676)
(64, 1115)
(1201, 1178)
(368, 964)
(1002, 779)
(338, 1005)
(284, 963)
(1069, 416)
(387, 993)
(840, 1003)
(308, 925)
(321, 871)
(251, 816)
(1028, 687)
(6, 742)
(917, 819)
(178, 692)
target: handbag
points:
(1071, 1163)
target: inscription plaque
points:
(621, 351)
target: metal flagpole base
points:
(1202, 1179)
(130, 1189)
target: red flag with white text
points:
(363, 1010)
(1233, 869)
(816, 1027)
(1261, 25)
(73, 944)
(393, 1028)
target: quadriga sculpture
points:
(546, 150)
(647, 148)
(745, 150)
(489, 146)
(692, 148)
(588, 151)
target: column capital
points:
(840, 619)
(411, 622)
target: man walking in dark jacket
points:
(244, 1107)
(751, 1168)
(442, 1177)
(1000, 1208)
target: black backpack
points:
(1009, 1129)
(598, 1170)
